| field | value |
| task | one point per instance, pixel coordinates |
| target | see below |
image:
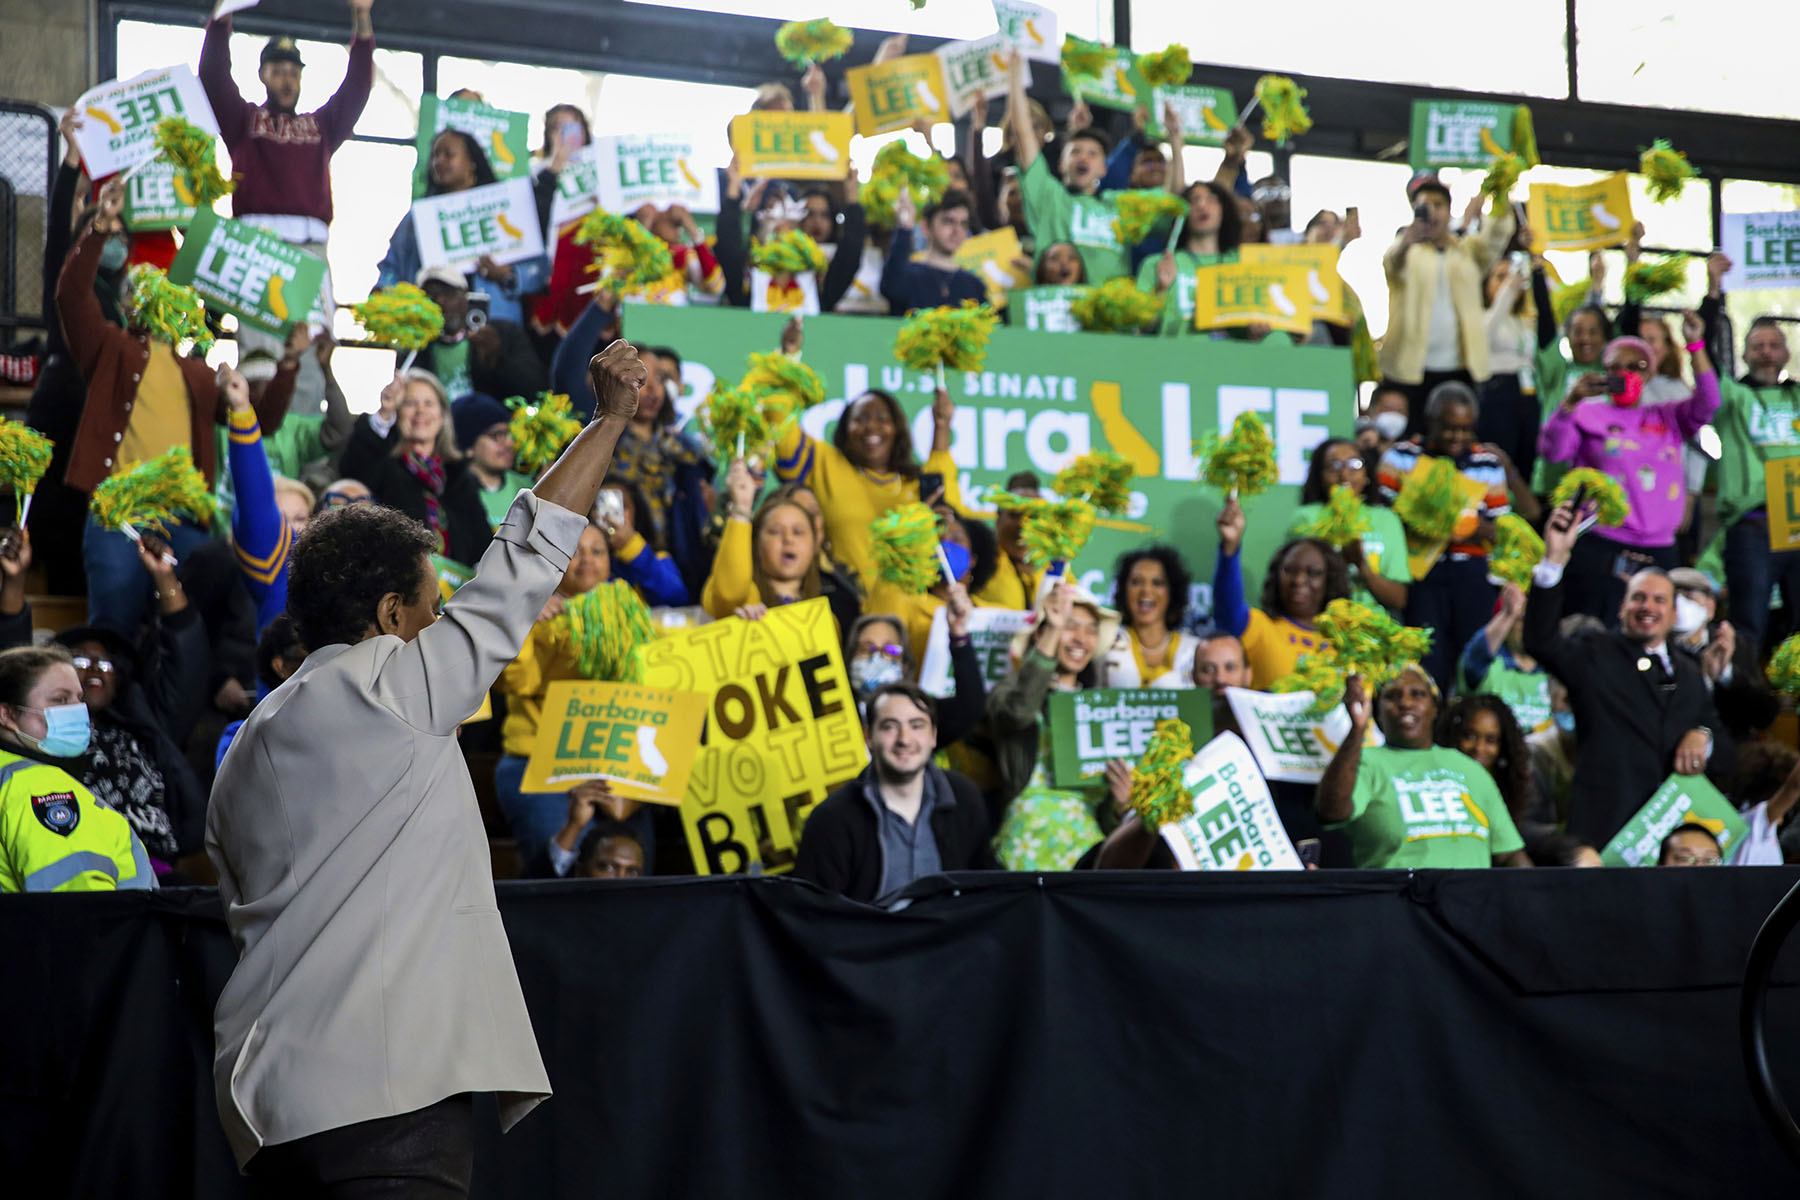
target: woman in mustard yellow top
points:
(770, 559)
(867, 468)
(535, 817)
(1304, 576)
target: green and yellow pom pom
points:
(1343, 519)
(1431, 502)
(1502, 176)
(1116, 306)
(1142, 211)
(1284, 110)
(804, 43)
(541, 431)
(928, 177)
(1666, 171)
(154, 495)
(1595, 486)
(1567, 297)
(1359, 640)
(1051, 531)
(1157, 792)
(1517, 550)
(1244, 462)
(785, 385)
(791, 253)
(192, 151)
(905, 548)
(1646, 279)
(1101, 478)
(172, 313)
(1166, 68)
(606, 630)
(1524, 136)
(738, 421)
(626, 254)
(402, 316)
(879, 197)
(1318, 673)
(953, 338)
(24, 457)
(1083, 59)
(1364, 361)
(1784, 667)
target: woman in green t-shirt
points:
(1209, 235)
(1379, 574)
(1484, 728)
(1411, 803)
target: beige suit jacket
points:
(374, 976)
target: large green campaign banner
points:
(1042, 399)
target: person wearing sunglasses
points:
(1379, 574)
(1604, 424)
(341, 493)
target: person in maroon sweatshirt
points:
(282, 157)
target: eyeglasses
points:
(1695, 860)
(104, 666)
(1346, 464)
(345, 499)
(888, 650)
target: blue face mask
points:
(1565, 720)
(66, 729)
(112, 255)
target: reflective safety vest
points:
(55, 837)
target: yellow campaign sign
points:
(1587, 216)
(894, 94)
(782, 731)
(1323, 283)
(991, 257)
(1242, 293)
(1422, 555)
(640, 740)
(1781, 481)
(792, 145)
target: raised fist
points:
(616, 374)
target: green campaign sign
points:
(1207, 113)
(1088, 728)
(1044, 309)
(1682, 799)
(499, 133)
(157, 199)
(241, 269)
(1459, 133)
(1119, 85)
(1041, 400)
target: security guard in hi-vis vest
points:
(54, 836)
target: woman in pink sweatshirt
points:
(1603, 423)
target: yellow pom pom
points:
(1244, 462)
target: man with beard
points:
(281, 158)
(902, 818)
(1640, 711)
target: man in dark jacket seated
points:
(902, 818)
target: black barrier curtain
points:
(1357, 1034)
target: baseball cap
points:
(281, 49)
(1425, 181)
(443, 275)
(1690, 579)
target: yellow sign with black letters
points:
(781, 731)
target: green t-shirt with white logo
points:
(1178, 304)
(1526, 693)
(1426, 808)
(1754, 426)
(1384, 546)
(1055, 214)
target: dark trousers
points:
(428, 1154)
(1418, 393)
(1752, 570)
(1509, 419)
(1453, 601)
(1598, 570)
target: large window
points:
(1695, 56)
(1513, 48)
(944, 18)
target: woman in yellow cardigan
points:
(535, 817)
(769, 559)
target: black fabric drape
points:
(1480, 1033)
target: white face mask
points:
(1390, 425)
(1690, 615)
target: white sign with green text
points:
(1764, 249)
(456, 229)
(1234, 825)
(1291, 743)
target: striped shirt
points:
(1483, 481)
